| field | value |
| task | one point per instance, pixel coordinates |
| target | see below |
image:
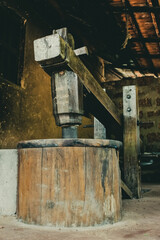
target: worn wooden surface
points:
(96, 66)
(67, 95)
(79, 142)
(126, 189)
(91, 84)
(99, 130)
(45, 51)
(131, 140)
(57, 58)
(69, 186)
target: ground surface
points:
(141, 220)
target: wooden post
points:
(131, 140)
(99, 130)
(67, 90)
(67, 95)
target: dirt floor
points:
(141, 220)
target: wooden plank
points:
(131, 140)
(101, 184)
(48, 186)
(29, 193)
(126, 189)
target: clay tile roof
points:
(142, 21)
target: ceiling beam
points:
(150, 56)
(140, 9)
(134, 59)
(155, 4)
(150, 40)
(141, 37)
(143, 69)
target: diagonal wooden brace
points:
(55, 53)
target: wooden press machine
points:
(70, 181)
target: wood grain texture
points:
(131, 139)
(57, 54)
(99, 130)
(126, 189)
(29, 185)
(91, 84)
(78, 142)
(69, 186)
(67, 98)
(49, 50)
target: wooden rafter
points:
(149, 40)
(150, 56)
(140, 9)
(141, 37)
(138, 67)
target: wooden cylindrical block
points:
(69, 182)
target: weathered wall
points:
(8, 181)
(26, 111)
(149, 108)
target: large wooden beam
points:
(91, 84)
(131, 140)
(53, 51)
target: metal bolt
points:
(128, 109)
(128, 96)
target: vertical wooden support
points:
(131, 139)
(67, 94)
